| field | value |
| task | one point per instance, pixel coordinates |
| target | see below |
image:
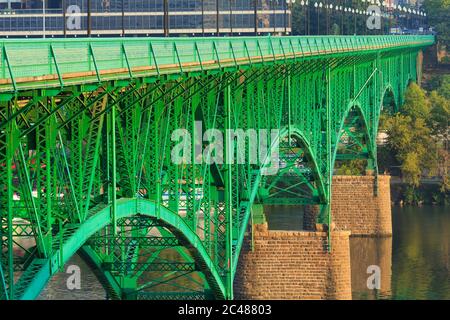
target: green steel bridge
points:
(85, 149)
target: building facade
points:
(33, 18)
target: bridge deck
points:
(45, 63)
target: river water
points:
(413, 264)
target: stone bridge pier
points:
(294, 265)
(298, 264)
(358, 206)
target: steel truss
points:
(86, 163)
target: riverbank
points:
(428, 193)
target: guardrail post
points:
(154, 58)
(124, 52)
(52, 52)
(91, 53)
(6, 60)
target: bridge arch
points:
(298, 160)
(353, 106)
(297, 133)
(390, 97)
(128, 207)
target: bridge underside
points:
(105, 166)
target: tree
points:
(444, 87)
(351, 168)
(438, 14)
(297, 19)
(439, 115)
(410, 134)
(416, 104)
(410, 140)
(417, 139)
(439, 123)
(335, 29)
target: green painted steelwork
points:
(86, 149)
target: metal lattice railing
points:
(26, 64)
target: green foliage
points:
(438, 12)
(444, 87)
(297, 20)
(440, 83)
(335, 29)
(417, 141)
(434, 82)
(337, 22)
(412, 195)
(416, 104)
(355, 167)
(426, 194)
(445, 186)
(439, 115)
(411, 142)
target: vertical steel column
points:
(43, 18)
(318, 21)
(113, 169)
(217, 18)
(306, 9)
(89, 18)
(123, 18)
(203, 19)
(309, 18)
(9, 202)
(50, 141)
(3, 289)
(63, 7)
(289, 75)
(273, 7)
(231, 17)
(229, 196)
(255, 11)
(166, 18)
(329, 152)
(285, 18)
(378, 94)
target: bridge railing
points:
(34, 61)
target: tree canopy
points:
(438, 14)
(416, 103)
(417, 137)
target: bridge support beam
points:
(294, 265)
(259, 216)
(357, 206)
